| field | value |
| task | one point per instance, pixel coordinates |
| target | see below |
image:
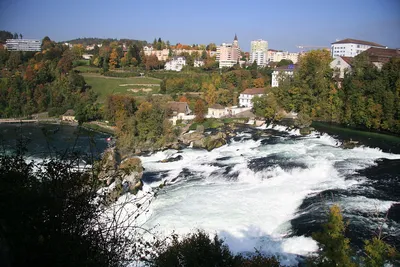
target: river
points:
(269, 192)
(43, 140)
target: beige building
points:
(216, 111)
(228, 55)
(276, 56)
(69, 115)
(340, 66)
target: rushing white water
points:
(248, 191)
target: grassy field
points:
(130, 86)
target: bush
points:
(196, 249)
(51, 215)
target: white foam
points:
(254, 209)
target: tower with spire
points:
(235, 41)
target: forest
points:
(367, 97)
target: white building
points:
(176, 64)
(245, 97)
(258, 52)
(276, 56)
(340, 66)
(281, 73)
(351, 47)
(87, 56)
(198, 63)
(23, 44)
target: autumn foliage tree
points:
(199, 110)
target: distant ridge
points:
(92, 41)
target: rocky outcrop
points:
(172, 159)
(214, 141)
(125, 173)
(200, 140)
(350, 144)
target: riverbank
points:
(386, 142)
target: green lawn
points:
(111, 85)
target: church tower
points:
(235, 41)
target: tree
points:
(210, 94)
(196, 249)
(52, 213)
(113, 59)
(199, 110)
(77, 51)
(378, 253)
(335, 247)
(259, 82)
(65, 63)
(184, 99)
(284, 62)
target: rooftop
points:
(253, 91)
(69, 112)
(217, 106)
(348, 60)
(354, 41)
(382, 52)
(179, 107)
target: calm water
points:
(42, 140)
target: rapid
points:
(272, 191)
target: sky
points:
(285, 24)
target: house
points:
(245, 97)
(198, 63)
(351, 47)
(217, 111)
(380, 56)
(176, 64)
(179, 109)
(341, 65)
(69, 115)
(281, 73)
(87, 56)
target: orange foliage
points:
(184, 99)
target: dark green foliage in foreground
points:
(47, 217)
(199, 250)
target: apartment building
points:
(258, 52)
(351, 47)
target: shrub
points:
(196, 249)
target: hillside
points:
(91, 40)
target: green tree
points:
(378, 253)
(335, 247)
(284, 62)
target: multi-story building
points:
(23, 44)
(246, 97)
(258, 52)
(176, 64)
(228, 55)
(276, 56)
(351, 47)
(281, 73)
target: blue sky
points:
(284, 24)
